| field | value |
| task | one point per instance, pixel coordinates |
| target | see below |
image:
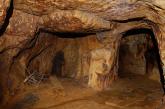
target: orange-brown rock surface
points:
(71, 37)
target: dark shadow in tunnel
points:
(58, 63)
(155, 49)
(72, 35)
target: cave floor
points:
(130, 91)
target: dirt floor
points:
(130, 91)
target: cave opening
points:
(58, 62)
(139, 55)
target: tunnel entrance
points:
(58, 63)
(143, 51)
(139, 54)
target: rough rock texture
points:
(101, 67)
(23, 48)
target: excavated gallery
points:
(82, 54)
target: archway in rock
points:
(139, 53)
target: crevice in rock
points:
(27, 46)
(7, 19)
(129, 20)
(67, 34)
(37, 54)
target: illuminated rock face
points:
(106, 21)
(101, 67)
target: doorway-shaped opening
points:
(139, 71)
(58, 63)
(139, 54)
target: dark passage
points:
(147, 49)
(58, 63)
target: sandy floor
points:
(128, 92)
